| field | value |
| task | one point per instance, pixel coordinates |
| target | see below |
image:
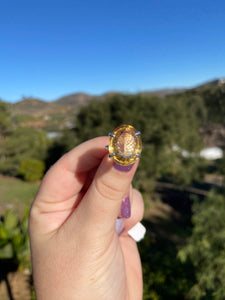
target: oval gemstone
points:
(124, 145)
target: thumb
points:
(102, 203)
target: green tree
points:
(215, 102)
(164, 276)
(31, 169)
(4, 119)
(163, 123)
(206, 248)
(213, 97)
(22, 143)
(18, 143)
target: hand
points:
(76, 251)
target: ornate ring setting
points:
(125, 145)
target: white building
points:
(212, 153)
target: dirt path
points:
(17, 287)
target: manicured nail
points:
(119, 223)
(122, 168)
(122, 231)
(137, 232)
(125, 208)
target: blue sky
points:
(53, 48)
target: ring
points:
(125, 145)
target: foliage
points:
(14, 241)
(31, 169)
(213, 97)
(60, 146)
(206, 248)
(163, 275)
(4, 119)
(163, 123)
(20, 144)
(220, 166)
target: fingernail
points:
(137, 232)
(122, 168)
(125, 208)
(119, 223)
(122, 231)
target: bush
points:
(31, 169)
(206, 247)
(14, 240)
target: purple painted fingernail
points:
(122, 231)
(119, 223)
(122, 168)
(125, 208)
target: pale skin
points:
(76, 251)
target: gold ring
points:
(125, 145)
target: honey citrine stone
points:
(125, 145)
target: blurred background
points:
(73, 70)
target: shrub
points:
(206, 247)
(14, 240)
(31, 169)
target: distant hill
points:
(76, 99)
(164, 92)
(79, 99)
(29, 106)
(62, 110)
(218, 82)
(34, 107)
(37, 113)
(60, 114)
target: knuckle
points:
(108, 190)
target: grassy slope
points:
(16, 193)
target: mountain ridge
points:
(82, 98)
(36, 107)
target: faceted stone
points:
(125, 146)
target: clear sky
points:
(52, 48)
